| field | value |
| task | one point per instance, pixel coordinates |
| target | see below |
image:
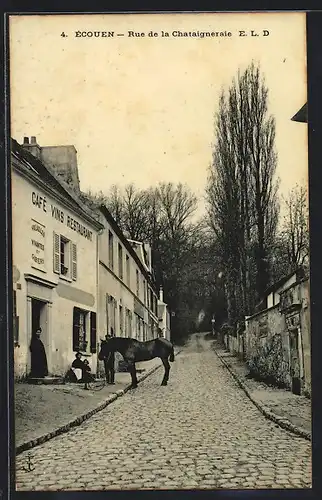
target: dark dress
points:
(39, 368)
(109, 368)
(86, 375)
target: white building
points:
(164, 317)
(55, 272)
(127, 293)
(75, 273)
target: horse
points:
(134, 350)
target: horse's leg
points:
(166, 365)
(132, 371)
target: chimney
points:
(32, 147)
(161, 294)
(63, 159)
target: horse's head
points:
(105, 349)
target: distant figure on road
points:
(109, 363)
(39, 368)
(213, 323)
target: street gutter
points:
(79, 420)
(267, 412)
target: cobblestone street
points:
(201, 431)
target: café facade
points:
(55, 272)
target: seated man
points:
(84, 366)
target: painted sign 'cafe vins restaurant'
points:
(55, 277)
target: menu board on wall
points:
(37, 241)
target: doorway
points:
(37, 313)
(39, 319)
(295, 366)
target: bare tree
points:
(242, 191)
(263, 160)
(135, 213)
(163, 216)
(115, 204)
(177, 204)
(295, 230)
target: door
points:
(295, 362)
(39, 320)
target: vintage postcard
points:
(159, 178)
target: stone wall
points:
(306, 335)
(266, 346)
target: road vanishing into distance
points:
(201, 431)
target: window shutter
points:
(93, 333)
(76, 329)
(56, 253)
(74, 261)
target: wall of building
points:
(130, 290)
(164, 320)
(36, 215)
(306, 333)
(267, 344)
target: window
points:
(93, 339)
(15, 318)
(144, 291)
(65, 257)
(120, 262)
(151, 301)
(121, 320)
(107, 313)
(128, 279)
(64, 253)
(137, 327)
(111, 250)
(128, 326)
(110, 314)
(137, 284)
(80, 330)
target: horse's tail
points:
(171, 358)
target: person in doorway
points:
(109, 364)
(39, 367)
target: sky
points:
(141, 109)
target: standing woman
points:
(39, 368)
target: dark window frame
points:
(120, 257)
(78, 344)
(111, 250)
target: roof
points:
(47, 176)
(140, 244)
(275, 286)
(301, 115)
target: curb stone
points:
(79, 420)
(267, 412)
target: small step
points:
(46, 380)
